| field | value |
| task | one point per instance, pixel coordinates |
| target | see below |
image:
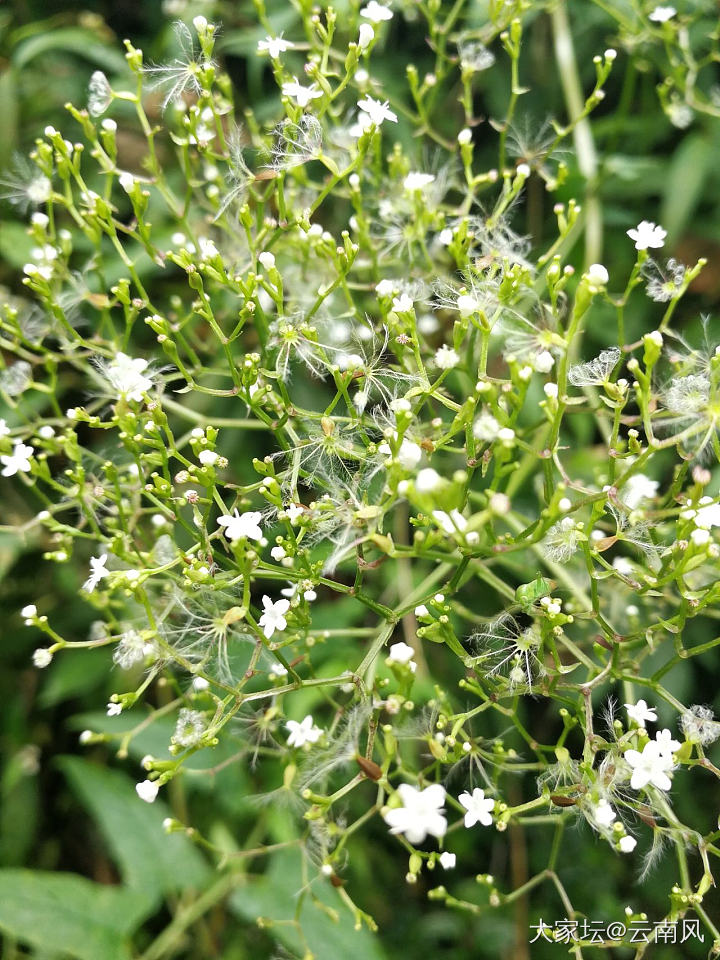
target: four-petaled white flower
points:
(126, 375)
(376, 12)
(647, 234)
(479, 807)
(98, 571)
(238, 525)
(274, 46)
(302, 95)
(18, 461)
(662, 14)
(273, 617)
(650, 766)
(147, 790)
(303, 732)
(640, 712)
(421, 813)
(377, 110)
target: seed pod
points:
(369, 767)
(561, 801)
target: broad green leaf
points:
(67, 913)
(327, 925)
(75, 40)
(15, 244)
(684, 182)
(148, 858)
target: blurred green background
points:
(66, 808)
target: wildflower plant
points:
(305, 444)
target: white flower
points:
(447, 860)
(422, 611)
(97, 572)
(376, 12)
(486, 427)
(638, 487)
(478, 806)
(366, 36)
(273, 617)
(402, 653)
(114, 709)
(277, 553)
(147, 790)
(604, 813)
(452, 522)
(127, 377)
(4, 429)
(544, 361)
(665, 742)
(416, 181)
(302, 95)
(427, 480)
(207, 457)
(597, 274)
(239, 525)
(302, 733)
(662, 14)
(274, 46)
(377, 111)
(386, 288)
(640, 712)
(42, 657)
(446, 358)
(409, 454)
(18, 461)
(627, 844)
(29, 611)
(402, 304)
(294, 512)
(421, 813)
(650, 766)
(647, 234)
(708, 516)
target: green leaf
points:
(327, 925)
(75, 40)
(15, 244)
(69, 914)
(684, 183)
(148, 858)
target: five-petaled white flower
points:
(650, 766)
(627, 844)
(18, 461)
(376, 12)
(303, 732)
(273, 616)
(238, 525)
(447, 860)
(446, 358)
(665, 742)
(302, 95)
(377, 110)
(640, 712)
(478, 807)
(126, 375)
(647, 234)
(662, 14)
(421, 813)
(274, 46)
(98, 571)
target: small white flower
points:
(447, 860)
(127, 377)
(627, 844)
(665, 742)
(386, 288)
(638, 487)
(98, 572)
(647, 234)
(207, 457)
(416, 181)
(274, 46)
(649, 767)
(708, 516)
(700, 537)
(640, 712)
(662, 14)
(486, 427)
(273, 616)
(401, 653)
(479, 807)
(302, 95)
(446, 358)
(277, 553)
(42, 657)
(421, 813)
(402, 304)
(267, 259)
(4, 429)
(238, 525)
(18, 461)
(427, 480)
(294, 512)
(147, 790)
(376, 12)
(303, 732)
(366, 36)
(377, 111)
(29, 611)
(597, 274)
(453, 522)
(114, 709)
(544, 361)
(604, 813)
